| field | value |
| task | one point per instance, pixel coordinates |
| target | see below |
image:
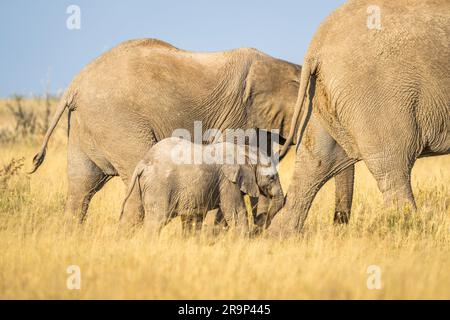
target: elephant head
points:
(270, 185)
(258, 179)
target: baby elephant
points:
(179, 178)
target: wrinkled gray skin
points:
(169, 186)
(139, 92)
(381, 96)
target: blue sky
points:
(36, 46)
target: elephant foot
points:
(219, 230)
(341, 217)
(279, 234)
(128, 228)
(284, 225)
(277, 230)
(238, 232)
(71, 224)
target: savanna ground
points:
(325, 262)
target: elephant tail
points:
(308, 70)
(66, 102)
(134, 180)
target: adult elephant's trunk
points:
(307, 70)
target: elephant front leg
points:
(318, 159)
(236, 212)
(344, 183)
(262, 207)
(232, 205)
(306, 182)
(156, 217)
(313, 168)
(220, 224)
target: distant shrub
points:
(28, 122)
(9, 170)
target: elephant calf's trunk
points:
(275, 206)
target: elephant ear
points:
(244, 176)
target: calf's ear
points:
(244, 176)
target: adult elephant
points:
(139, 92)
(377, 92)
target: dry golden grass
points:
(326, 262)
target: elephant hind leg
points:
(85, 179)
(344, 182)
(393, 176)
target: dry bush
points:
(29, 122)
(25, 122)
(9, 170)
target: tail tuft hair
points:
(37, 160)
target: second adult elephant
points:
(139, 92)
(383, 94)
